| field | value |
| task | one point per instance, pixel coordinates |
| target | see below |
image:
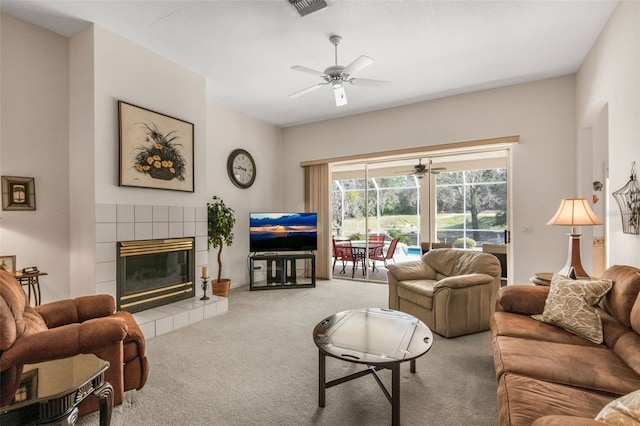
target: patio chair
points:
(389, 255)
(376, 245)
(343, 250)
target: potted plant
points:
(219, 232)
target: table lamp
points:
(574, 212)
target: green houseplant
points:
(220, 220)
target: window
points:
(471, 207)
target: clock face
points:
(241, 168)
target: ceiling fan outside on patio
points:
(420, 170)
(337, 75)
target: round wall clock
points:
(241, 168)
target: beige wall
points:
(227, 130)
(608, 101)
(544, 165)
(34, 87)
(59, 100)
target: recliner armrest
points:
(462, 281)
(76, 310)
(64, 341)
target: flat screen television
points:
(274, 232)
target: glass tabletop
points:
(373, 335)
(53, 379)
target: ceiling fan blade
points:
(307, 70)
(368, 82)
(360, 63)
(307, 90)
(341, 96)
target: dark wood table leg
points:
(395, 394)
(322, 379)
(36, 291)
(105, 396)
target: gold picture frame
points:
(28, 387)
(8, 263)
(156, 150)
(18, 193)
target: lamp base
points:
(573, 267)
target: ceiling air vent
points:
(305, 7)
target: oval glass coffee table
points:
(377, 338)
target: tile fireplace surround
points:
(127, 222)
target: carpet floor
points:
(257, 365)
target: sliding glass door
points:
(454, 200)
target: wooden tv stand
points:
(272, 271)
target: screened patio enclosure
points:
(462, 203)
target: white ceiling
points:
(428, 49)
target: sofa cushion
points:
(419, 292)
(516, 325)
(521, 400)
(622, 411)
(590, 367)
(447, 263)
(522, 299)
(570, 305)
(622, 301)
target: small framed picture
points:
(8, 263)
(18, 193)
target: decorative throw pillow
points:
(570, 305)
(622, 411)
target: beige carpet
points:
(257, 365)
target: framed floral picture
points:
(18, 193)
(156, 150)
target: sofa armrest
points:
(76, 310)
(558, 420)
(64, 341)
(462, 281)
(522, 299)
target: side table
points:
(32, 281)
(50, 392)
(541, 278)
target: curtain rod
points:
(423, 149)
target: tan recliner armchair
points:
(452, 291)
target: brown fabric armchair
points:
(64, 328)
(452, 291)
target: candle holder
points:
(204, 288)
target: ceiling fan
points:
(338, 75)
(420, 170)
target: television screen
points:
(283, 232)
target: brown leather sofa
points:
(549, 376)
(64, 328)
(452, 291)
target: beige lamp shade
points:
(574, 212)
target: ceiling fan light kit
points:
(420, 170)
(338, 75)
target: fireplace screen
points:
(154, 272)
